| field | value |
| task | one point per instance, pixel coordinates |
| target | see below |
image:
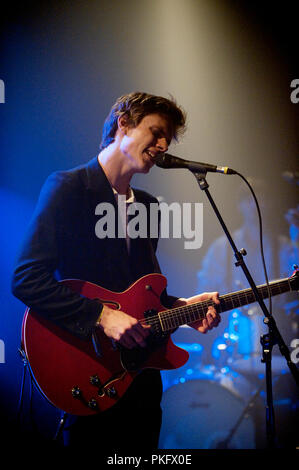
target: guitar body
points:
(86, 377)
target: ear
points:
(122, 124)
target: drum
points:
(208, 412)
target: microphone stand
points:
(273, 336)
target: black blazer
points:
(61, 243)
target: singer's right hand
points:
(123, 328)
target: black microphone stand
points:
(273, 336)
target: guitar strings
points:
(175, 313)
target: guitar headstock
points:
(294, 279)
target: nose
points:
(162, 144)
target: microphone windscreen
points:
(162, 161)
(165, 160)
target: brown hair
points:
(135, 106)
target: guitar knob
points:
(94, 380)
(92, 404)
(111, 392)
(76, 392)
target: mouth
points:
(152, 155)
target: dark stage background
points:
(230, 65)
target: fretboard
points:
(187, 314)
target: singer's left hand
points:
(212, 319)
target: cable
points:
(261, 239)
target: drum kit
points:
(220, 405)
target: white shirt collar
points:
(131, 197)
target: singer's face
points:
(141, 144)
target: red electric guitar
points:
(87, 377)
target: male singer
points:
(62, 243)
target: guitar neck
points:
(187, 314)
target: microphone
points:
(165, 160)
